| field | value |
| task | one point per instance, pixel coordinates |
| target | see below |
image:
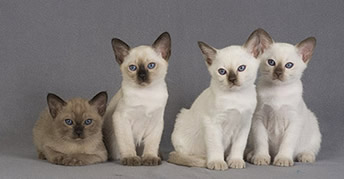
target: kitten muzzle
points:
(278, 73)
(78, 131)
(232, 78)
(142, 74)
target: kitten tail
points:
(186, 160)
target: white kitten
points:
(283, 127)
(218, 122)
(135, 114)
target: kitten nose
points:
(78, 131)
(278, 73)
(142, 76)
(232, 77)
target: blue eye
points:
(88, 122)
(151, 65)
(241, 68)
(222, 71)
(289, 65)
(271, 62)
(132, 67)
(69, 122)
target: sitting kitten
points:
(135, 114)
(70, 133)
(283, 127)
(218, 122)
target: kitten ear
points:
(55, 104)
(162, 45)
(305, 48)
(257, 42)
(99, 101)
(208, 52)
(121, 49)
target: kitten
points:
(69, 132)
(283, 127)
(218, 122)
(135, 114)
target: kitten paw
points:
(151, 160)
(236, 163)
(72, 162)
(41, 156)
(306, 157)
(283, 161)
(58, 160)
(261, 160)
(217, 165)
(131, 161)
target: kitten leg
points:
(235, 158)
(260, 144)
(284, 157)
(214, 146)
(151, 145)
(53, 156)
(41, 155)
(306, 157)
(83, 159)
(125, 141)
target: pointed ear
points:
(55, 104)
(99, 101)
(121, 49)
(162, 45)
(257, 42)
(305, 48)
(208, 52)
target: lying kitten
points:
(135, 114)
(218, 122)
(283, 127)
(69, 133)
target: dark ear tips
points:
(306, 48)
(55, 104)
(258, 41)
(208, 52)
(163, 45)
(120, 48)
(100, 101)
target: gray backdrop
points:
(64, 47)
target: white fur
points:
(135, 114)
(218, 122)
(283, 128)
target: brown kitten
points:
(69, 133)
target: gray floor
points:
(18, 160)
(64, 47)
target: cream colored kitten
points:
(218, 122)
(283, 128)
(135, 114)
(70, 133)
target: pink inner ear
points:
(306, 52)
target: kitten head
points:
(235, 67)
(143, 65)
(77, 119)
(283, 63)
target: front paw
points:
(283, 161)
(306, 158)
(131, 161)
(261, 159)
(217, 165)
(72, 162)
(236, 163)
(151, 160)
